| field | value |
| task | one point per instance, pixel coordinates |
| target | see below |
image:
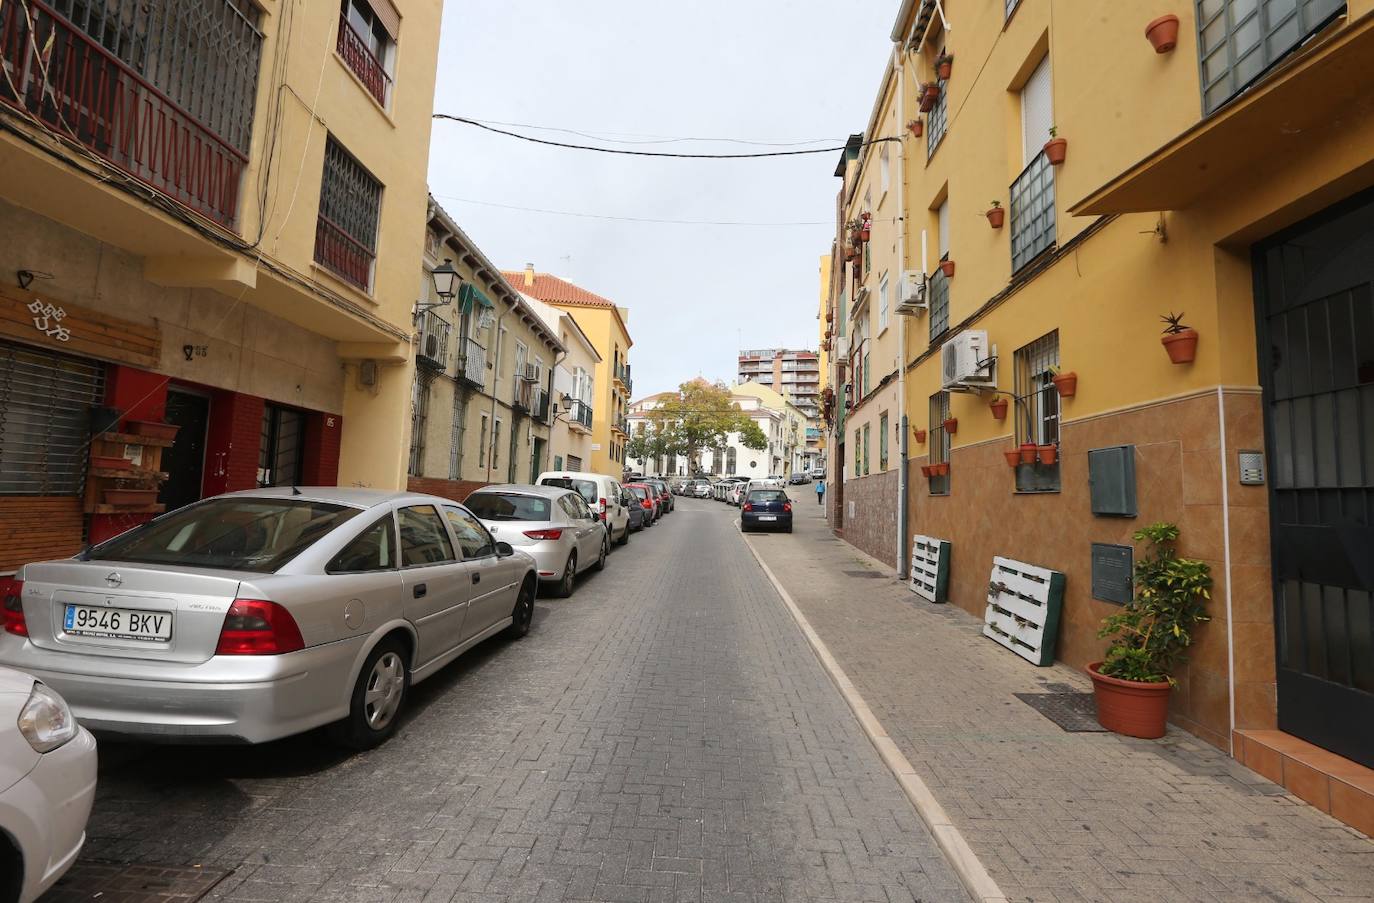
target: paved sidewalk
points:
(1057, 816)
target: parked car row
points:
(256, 615)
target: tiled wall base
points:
(1337, 786)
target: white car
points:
(47, 783)
(602, 494)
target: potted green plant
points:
(866, 227)
(916, 127)
(1056, 148)
(930, 96)
(998, 406)
(1179, 340)
(944, 66)
(996, 215)
(1150, 636)
(1066, 383)
(1162, 33)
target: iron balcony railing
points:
(523, 399)
(95, 90)
(473, 366)
(580, 414)
(1032, 212)
(434, 334)
(348, 258)
(350, 207)
(622, 423)
(363, 62)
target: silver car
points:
(551, 524)
(256, 615)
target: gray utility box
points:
(1111, 481)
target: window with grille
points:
(882, 441)
(868, 458)
(937, 120)
(496, 445)
(939, 305)
(1032, 194)
(419, 419)
(45, 404)
(1239, 40)
(858, 453)
(939, 441)
(366, 43)
(281, 452)
(1037, 410)
(350, 206)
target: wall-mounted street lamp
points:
(445, 280)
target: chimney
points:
(529, 275)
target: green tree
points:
(656, 441)
(701, 416)
(752, 437)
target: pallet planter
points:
(930, 568)
(1024, 605)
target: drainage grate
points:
(861, 574)
(1074, 712)
(113, 882)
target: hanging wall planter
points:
(1027, 452)
(866, 230)
(1163, 33)
(1179, 340)
(927, 470)
(850, 252)
(940, 470)
(944, 66)
(920, 437)
(1013, 457)
(998, 406)
(996, 215)
(916, 127)
(1048, 453)
(1056, 148)
(930, 96)
(951, 425)
(1066, 383)
(947, 267)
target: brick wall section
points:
(233, 442)
(873, 528)
(448, 489)
(323, 436)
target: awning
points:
(468, 293)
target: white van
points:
(603, 495)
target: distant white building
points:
(782, 422)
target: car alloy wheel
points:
(523, 615)
(565, 586)
(385, 687)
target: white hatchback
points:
(47, 783)
(601, 493)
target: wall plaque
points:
(37, 319)
(1112, 572)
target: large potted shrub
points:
(1150, 636)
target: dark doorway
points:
(1314, 290)
(184, 462)
(834, 487)
(281, 454)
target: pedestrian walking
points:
(820, 491)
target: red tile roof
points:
(552, 290)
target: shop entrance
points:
(184, 462)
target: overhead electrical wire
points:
(645, 138)
(667, 154)
(626, 219)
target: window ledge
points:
(386, 114)
(334, 281)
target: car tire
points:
(605, 551)
(565, 586)
(522, 616)
(371, 723)
(625, 537)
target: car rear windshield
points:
(767, 495)
(585, 488)
(508, 506)
(640, 492)
(237, 534)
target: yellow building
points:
(574, 391)
(1242, 203)
(604, 323)
(219, 223)
(816, 434)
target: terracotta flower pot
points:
(1013, 457)
(941, 469)
(1182, 346)
(929, 98)
(1163, 33)
(850, 252)
(1129, 707)
(920, 437)
(945, 69)
(1066, 383)
(916, 127)
(947, 267)
(996, 216)
(128, 498)
(1055, 150)
(999, 408)
(1048, 453)
(927, 470)
(951, 425)
(866, 232)
(153, 429)
(1027, 452)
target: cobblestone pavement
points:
(1057, 816)
(664, 735)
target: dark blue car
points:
(766, 509)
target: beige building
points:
(574, 391)
(198, 247)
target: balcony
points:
(473, 365)
(622, 376)
(524, 397)
(432, 352)
(363, 62)
(621, 425)
(580, 416)
(132, 104)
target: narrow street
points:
(665, 734)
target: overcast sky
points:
(770, 70)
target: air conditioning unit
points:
(912, 293)
(531, 373)
(967, 362)
(841, 353)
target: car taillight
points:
(14, 608)
(544, 534)
(786, 506)
(747, 507)
(601, 506)
(647, 505)
(258, 627)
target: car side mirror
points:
(596, 516)
(504, 550)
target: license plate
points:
(118, 623)
(767, 517)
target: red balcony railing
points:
(362, 61)
(74, 86)
(339, 251)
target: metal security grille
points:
(45, 402)
(419, 419)
(939, 305)
(937, 121)
(1032, 212)
(1239, 39)
(281, 453)
(939, 440)
(350, 205)
(1037, 410)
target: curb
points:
(948, 837)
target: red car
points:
(647, 497)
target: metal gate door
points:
(1314, 291)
